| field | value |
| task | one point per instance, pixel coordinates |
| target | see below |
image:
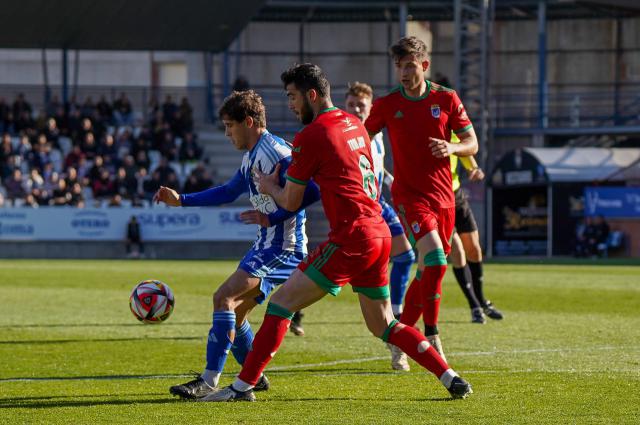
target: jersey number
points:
(368, 178)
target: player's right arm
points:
(215, 196)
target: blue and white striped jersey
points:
(290, 234)
(377, 154)
(270, 150)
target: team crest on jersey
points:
(398, 114)
(415, 227)
(435, 111)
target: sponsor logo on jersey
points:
(349, 124)
(415, 227)
(398, 114)
(435, 111)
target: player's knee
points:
(222, 301)
(474, 253)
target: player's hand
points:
(476, 175)
(267, 182)
(168, 196)
(441, 148)
(255, 217)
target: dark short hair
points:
(359, 89)
(307, 76)
(242, 104)
(409, 46)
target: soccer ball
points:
(151, 301)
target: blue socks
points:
(220, 338)
(399, 278)
(242, 344)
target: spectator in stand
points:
(142, 160)
(77, 197)
(104, 109)
(129, 165)
(115, 201)
(52, 133)
(168, 147)
(89, 146)
(189, 149)
(103, 187)
(71, 177)
(21, 106)
(24, 123)
(61, 195)
(88, 108)
(186, 115)
(50, 181)
(73, 157)
(31, 201)
(74, 127)
(4, 116)
(108, 151)
(126, 185)
(36, 181)
(53, 106)
(6, 148)
(164, 170)
(151, 185)
(169, 109)
(40, 196)
(24, 148)
(41, 154)
(73, 105)
(7, 167)
(15, 186)
(123, 111)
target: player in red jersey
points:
(420, 116)
(334, 149)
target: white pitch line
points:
(369, 359)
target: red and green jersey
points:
(410, 122)
(335, 151)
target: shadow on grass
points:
(95, 325)
(67, 341)
(41, 403)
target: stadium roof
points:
(436, 10)
(204, 25)
(585, 164)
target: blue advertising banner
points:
(612, 201)
(110, 224)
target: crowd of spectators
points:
(96, 154)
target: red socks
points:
(267, 341)
(416, 346)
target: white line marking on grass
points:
(365, 360)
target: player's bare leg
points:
(471, 244)
(399, 245)
(381, 323)
(423, 296)
(463, 276)
(298, 292)
(238, 292)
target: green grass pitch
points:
(71, 352)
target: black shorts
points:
(465, 221)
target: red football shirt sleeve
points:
(304, 161)
(376, 121)
(459, 121)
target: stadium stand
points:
(97, 154)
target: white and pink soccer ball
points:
(151, 301)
